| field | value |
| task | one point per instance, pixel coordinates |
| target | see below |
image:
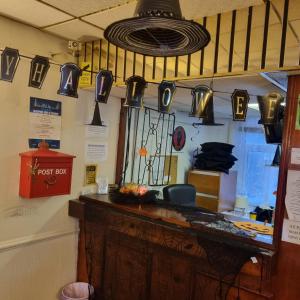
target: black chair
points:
(180, 194)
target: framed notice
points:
(44, 122)
(90, 174)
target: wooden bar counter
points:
(137, 252)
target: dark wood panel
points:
(171, 277)
(126, 269)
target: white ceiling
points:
(85, 20)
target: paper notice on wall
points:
(44, 122)
(292, 199)
(297, 125)
(93, 132)
(291, 231)
(85, 78)
(95, 152)
(295, 156)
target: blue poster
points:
(45, 122)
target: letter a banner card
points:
(44, 122)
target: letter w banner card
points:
(44, 122)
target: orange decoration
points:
(143, 152)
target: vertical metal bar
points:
(176, 66)
(165, 67)
(171, 150)
(107, 56)
(84, 51)
(136, 123)
(116, 64)
(166, 146)
(154, 67)
(232, 35)
(125, 65)
(134, 64)
(217, 44)
(283, 35)
(144, 66)
(266, 32)
(100, 55)
(142, 145)
(160, 147)
(248, 38)
(188, 67)
(92, 63)
(202, 51)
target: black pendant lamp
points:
(158, 29)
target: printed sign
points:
(38, 71)
(297, 127)
(239, 100)
(90, 174)
(86, 75)
(291, 231)
(9, 62)
(45, 122)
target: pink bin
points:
(77, 291)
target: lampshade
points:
(158, 29)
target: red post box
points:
(45, 173)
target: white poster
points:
(94, 132)
(292, 199)
(44, 122)
(95, 152)
(295, 156)
(291, 231)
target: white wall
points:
(38, 241)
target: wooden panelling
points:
(127, 256)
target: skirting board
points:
(35, 238)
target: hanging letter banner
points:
(38, 71)
(69, 79)
(202, 95)
(269, 106)
(104, 82)
(9, 62)
(239, 100)
(135, 91)
(166, 91)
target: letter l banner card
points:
(44, 122)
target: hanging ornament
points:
(9, 62)
(277, 156)
(135, 91)
(166, 91)
(239, 101)
(178, 138)
(269, 106)
(38, 71)
(202, 94)
(104, 82)
(69, 79)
